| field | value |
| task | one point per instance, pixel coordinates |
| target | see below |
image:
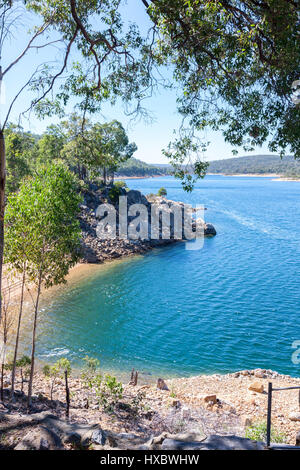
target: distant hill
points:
(135, 167)
(256, 164)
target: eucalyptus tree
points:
(109, 60)
(48, 147)
(76, 147)
(39, 79)
(91, 148)
(109, 147)
(237, 63)
(45, 209)
(19, 145)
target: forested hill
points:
(256, 164)
(135, 167)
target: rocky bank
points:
(97, 250)
(204, 412)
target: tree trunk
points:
(51, 389)
(2, 207)
(2, 367)
(22, 380)
(104, 176)
(33, 342)
(67, 394)
(13, 373)
(2, 377)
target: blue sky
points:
(150, 138)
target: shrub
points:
(162, 192)
(121, 184)
(91, 364)
(258, 432)
(114, 193)
(106, 388)
(24, 365)
(109, 392)
(56, 371)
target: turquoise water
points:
(232, 305)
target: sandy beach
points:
(286, 179)
(250, 175)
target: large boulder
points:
(209, 230)
(40, 438)
(136, 197)
(213, 442)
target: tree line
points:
(256, 164)
(135, 167)
(91, 151)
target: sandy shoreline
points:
(251, 175)
(139, 177)
(287, 179)
(77, 273)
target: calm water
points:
(232, 305)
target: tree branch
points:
(40, 31)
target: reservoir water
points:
(232, 305)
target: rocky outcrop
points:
(97, 250)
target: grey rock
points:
(161, 384)
(172, 444)
(209, 230)
(232, 443)
(73, 438)
(98, 437)
(40, 438)
(259, 373)
(136, 197)
(214, 442)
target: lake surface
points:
(232, 305)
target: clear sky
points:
(150, 137)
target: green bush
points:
(106, 388)
(258, 432)
(91, 364)
(23, 365)
(121, 184)
(109, 392)
(116, 191)
(56, 371)
(162, 192)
